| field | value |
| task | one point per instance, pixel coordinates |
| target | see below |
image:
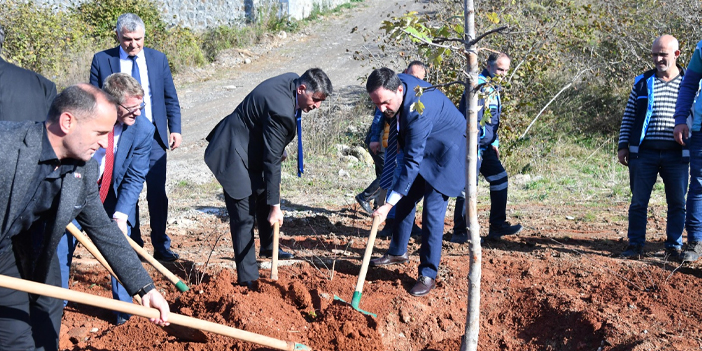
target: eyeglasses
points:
(134, 109)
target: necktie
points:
(136, 74)
(390, 156)
(300, 163)
(106, 180)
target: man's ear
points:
(67, 122)
(301, 88)
(677, 53)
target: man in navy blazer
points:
(150, 68)
(434, 143)
(133, 135)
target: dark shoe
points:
(504, 229)
(633, 251)
(673, 254)
(251, 284)
(416, 230)
(459, 237)
(170, 256)
(282, 255)
(692, 252)
(122, 318)
(365, 205)
(387, 229)
(422, 286)
(388, 259)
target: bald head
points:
(664, 53)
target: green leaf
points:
(493, 17)
(417, 106)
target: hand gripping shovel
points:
(126, 307)
(364, 269)
(187, 334)
(276, 246)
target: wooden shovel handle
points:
(159, 267)
(276, 246)
(367, 255)
(130, 308)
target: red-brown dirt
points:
(558, 285)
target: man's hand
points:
(374, 146)
(681, 132)
(276, 215)
(497, 150)
(285, 156)
(122, 224)
(153, 299)
(623, 156)
(174, 140)
(382, 211)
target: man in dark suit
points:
(24, 95)
(433, 141)
(132, 137)
(50, 179)
(150, 68)
(245, 153)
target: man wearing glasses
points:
(122, 171)
(647, 146)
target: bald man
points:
(647, 146)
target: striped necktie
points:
(390, 156)
(300, 163)
(105, 181)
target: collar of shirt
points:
(48, 156)
(99, 155)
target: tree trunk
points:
(470, 338)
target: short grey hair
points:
(492, 59)
(122, 86)
(129, 22)
(80, 100)
(316, 81)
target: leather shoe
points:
(250, 284)
(121, 318)
(170, 256)
(388, 259)
(423, 286)
(365, 205)
(282, 255)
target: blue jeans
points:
(643, 171)
(693, 222)
(64, 251)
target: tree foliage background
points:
(597, 45)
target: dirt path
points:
(208, 95)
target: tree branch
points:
(481, 36)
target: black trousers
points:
(28, 321)
(243, 213)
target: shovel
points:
(130, 308)
(364, 269)
(180, 332)
(276, 245)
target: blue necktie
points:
(390, 156)
(300, 164)
(136, 75)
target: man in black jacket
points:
(24, 95)
(245, 153)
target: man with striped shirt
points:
(648, 148)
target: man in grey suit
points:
(49, 179)
(131, 140)
(245, 153)
(24, 95)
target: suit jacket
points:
(246, 147)
(21, 145)
(131, 164)
(434, 142)
(165, 107)
(24, 95)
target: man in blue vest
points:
(647, 146)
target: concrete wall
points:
(201, 14)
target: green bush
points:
(101, 16)
(41, 40)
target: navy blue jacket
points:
(434, 142)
